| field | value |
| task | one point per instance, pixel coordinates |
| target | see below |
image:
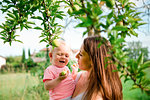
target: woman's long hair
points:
(102, 79)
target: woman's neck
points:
(88, 72)
(85, 76)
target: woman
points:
(97, 82)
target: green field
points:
(14, 87)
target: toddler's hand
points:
(75, 67)
(63, 74)
(74, 70)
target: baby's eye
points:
(59, 54)
(67, 55)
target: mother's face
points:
(83, 59)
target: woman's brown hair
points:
(102, 79)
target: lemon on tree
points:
(55, 43)
(70, 10)
(120, 23)
(76, 7)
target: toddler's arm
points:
(50, 84)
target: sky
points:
(31, 40)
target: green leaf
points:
(83, 25)
(18, 41)
(37, 17)
(88, 22)
(43, 40)
(144, 66)
(143, 23)
(11, 15)
(114, 70)
(28, 26)
(131, 19)
(140, 59)
(10, 19)
(126, 79)
(28, 22)
(10, 43)
(134, 87)
(38, 28)
(84, 33)
(2, 38)
(82, 19)
(148, 92)
(120, 40)
(110, 15)
(120, 28)
(140, 74)
(110, 3)
(21, 27)
(97, 10)
(120, 17)
(59, 16)
(133, 32)
(47, 45)
(136, 14)
(2, 27)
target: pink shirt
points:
(65, 88)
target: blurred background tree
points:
(144, 6)
(134, 50)
(23, 56)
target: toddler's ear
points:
(50, 55)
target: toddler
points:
(60, 86)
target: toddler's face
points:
(60, 56)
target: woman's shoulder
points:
(97, 97)
(81, 75)
(83, 72)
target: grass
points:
(13, 86)
(19, 86)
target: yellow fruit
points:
(64, 72)
(48, 13)
(120, 23)
(70, 10)
(112, 2)
(84, 16)
(101, 3)
(55, 43)
(76, 7)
